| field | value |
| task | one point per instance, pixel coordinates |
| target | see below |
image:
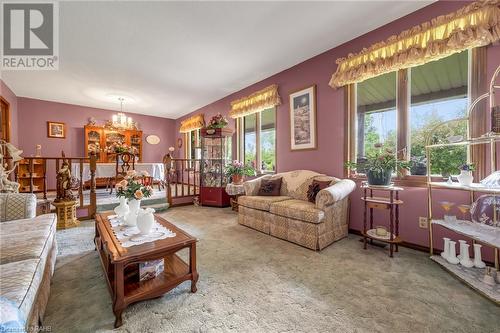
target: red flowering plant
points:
(217, 121)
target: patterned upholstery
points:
(15, 206)
(296, 183)
(259, 202)
(299, 210)
(27, 259)
(252, 186)
(312, 225)
(20, 282)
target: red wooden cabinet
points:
(214, 196)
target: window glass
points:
(439, 93)
(250, 140)
(268, 140)
(376, 115)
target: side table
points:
(390, 203)
(234, 191)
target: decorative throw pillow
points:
(270, 187)
(315, 187)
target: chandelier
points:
(120, 120)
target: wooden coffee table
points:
(121, 264)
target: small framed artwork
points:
(303, 119)
(56, 130)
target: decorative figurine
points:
(477, 257)
(452, 254)
(446, 248)
(464, 255)
(6, 185)
(64, 183)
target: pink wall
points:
(34, 114)
(11, 98)
(328, 158)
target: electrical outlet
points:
(422, 222)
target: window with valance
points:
(256, 127)
(396, 90)
(191, 127)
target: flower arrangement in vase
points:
(133, 189)
(465, 177)
(217, 121)
(379, 165)
(237, 170)
(120, 148)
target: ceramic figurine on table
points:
(464, 255)
(477, 257)
(446, 248)
(452, 253)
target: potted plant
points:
(380, 165)
(238, 170)
(217, 121)
(465, 177)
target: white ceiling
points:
(172, 58)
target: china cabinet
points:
(215, 155)
(101, 140)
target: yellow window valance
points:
(476, 24)
(192, 123)
(256, 102)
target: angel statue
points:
(6, 185)
(64, 183)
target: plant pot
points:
(379, 178)
(237, 179)
(465, 178)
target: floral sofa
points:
(291, 216)
(28, 251)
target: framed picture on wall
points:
(303, 119)
(56, 130)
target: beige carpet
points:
(251, 282)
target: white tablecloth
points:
(106, 170)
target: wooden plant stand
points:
(121, 264)
(391, 204)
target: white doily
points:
(130, 236)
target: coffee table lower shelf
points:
(175, 272)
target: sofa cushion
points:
(270, 187)
(314, 188)
(20, 282)
(15, 206)
(27, 239)
(260, 202)
(299, 210)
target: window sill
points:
(405, 181)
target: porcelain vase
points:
(464, 255)
(145, 220)
(446, 248)
(122, 209)
(478, 262)
(452, 253)
(460, 242)
(465, 178)
(131, 217)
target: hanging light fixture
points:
(120, 120)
